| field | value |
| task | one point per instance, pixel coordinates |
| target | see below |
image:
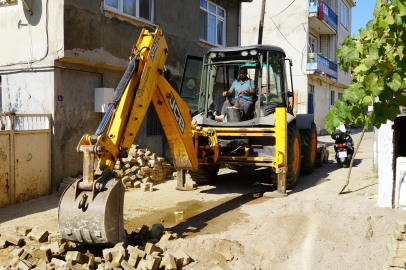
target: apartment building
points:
(54, 54)
(310, 33)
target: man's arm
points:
(229, 92)
(251, 92)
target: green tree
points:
(377, 59)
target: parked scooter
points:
(343, 146)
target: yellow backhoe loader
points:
(268, 135)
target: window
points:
(212, 23)
(344, 15)
(340, 96)
(332, 100)
(140, 9)
(310, 99)
(154, 126)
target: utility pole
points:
(261, 22)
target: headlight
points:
(221, 54)
(244, 53)
(253, 52)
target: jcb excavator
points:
(91, 208)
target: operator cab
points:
(206, 79)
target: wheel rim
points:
(314, 145)
(296, 156)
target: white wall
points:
(28, 39)
(292, 36)
(28, 92)
(385, 165)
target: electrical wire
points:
(47, 34)
(284, 9)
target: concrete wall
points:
(385, 165)
(288, 30)
(30, 39)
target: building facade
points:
(54, 54)
(310, 33)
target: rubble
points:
(142, 252)
(397, 248)
(142, 168)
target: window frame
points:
(310, 91)
(119, 10)
(218, 18)
(332, 98)
(344, 16)
(340, 96)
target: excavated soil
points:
(231, 226)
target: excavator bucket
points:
(94, 216)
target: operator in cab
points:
(244, 89)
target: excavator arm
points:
(91, 209)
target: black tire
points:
(293, 160)
(205, 174)
(308, 148)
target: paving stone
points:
(17, 252)
(76, 256)
(398, 262)
(166, 237)
(398, 244)
(133, 260)
(58, 262)
(23, 265)
(400, 226)
(118, 173)
(44, 254)
(150, 248)
(150, 262)
(168, 262)
(137, 184)
(157, 230)
(38, 234)
(227, 256)
(14, 238)
(24, 230)
(181, 258)
(399, 235)
(126, 266)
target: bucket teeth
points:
(100, 220)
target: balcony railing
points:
(329, 14)
(319, 63)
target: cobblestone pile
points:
(33, 248)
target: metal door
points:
(25, 157)
(4, 169)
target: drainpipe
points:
(261, 22)
(239, 24)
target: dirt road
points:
(312, 228)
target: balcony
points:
(326, 25)
(318, 63)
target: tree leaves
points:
(377, 58)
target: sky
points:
(361, 14)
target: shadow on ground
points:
(30, 207)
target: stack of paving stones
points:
(141, 169)
(33, 248)
(397, 248)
